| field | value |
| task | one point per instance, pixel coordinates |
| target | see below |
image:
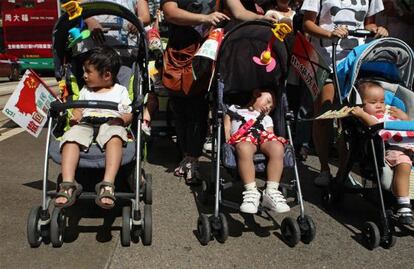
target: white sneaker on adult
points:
(273, 200)
(323, 179)
(251, 200)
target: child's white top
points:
(341, 12)
(247, 114)
(281, 15)
(117, 94)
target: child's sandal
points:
(64, 189)
(106, 193)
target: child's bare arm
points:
(363, 116)
(124, 120)
(227, 127)
(398, 113)
(76, 116)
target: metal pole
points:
(46, 165)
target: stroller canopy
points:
(235, 59)
(63, 25)
(388, 58)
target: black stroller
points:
(41, 224)
(389, 62)
(236, 76)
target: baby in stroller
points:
(398, 157)
(251, 129)
(100, 70)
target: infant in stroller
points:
(251, 129)
(397, 156)
(100, 70)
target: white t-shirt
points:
(247, 115)
(117, 94)
(351, 13)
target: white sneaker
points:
(274, 200)
(251, 200)
(323, 179)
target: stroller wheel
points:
(307, 229)
(126, 226)
(34, 236)
(388, 240)
(204, 229)
(290, 231)
(57, 227)
(148, 190)
(223, 233)
(371, 234)
(147, 228)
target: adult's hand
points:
(96, 30)
(339, 32)
(215, 18)
(380, 32)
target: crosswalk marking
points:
(8, 134)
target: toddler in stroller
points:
(122, 160)
(239, 75)
(397, 156)
(100, 70)
(259, 136)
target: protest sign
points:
(29, 104)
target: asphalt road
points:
(253, 241)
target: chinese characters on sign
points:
(29, 104)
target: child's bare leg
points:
(400, 187)
(245, 152)
(251, 196)
(401, 178)
(274, 150)
(70, 159)
(272, 197)
(113, 157)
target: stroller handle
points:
(56, 106)
(361, 33)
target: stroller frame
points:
(373, 235)
(303, 228)
(41, 224)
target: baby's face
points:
(373, 101)
(264, 103)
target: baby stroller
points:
(41, 225)
(236, 76)
(388, 61)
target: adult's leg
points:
(196, 115)
(322, 128)
(179, 115)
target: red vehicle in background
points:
(27, 27)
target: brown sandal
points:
(110, 194)
(64, 188)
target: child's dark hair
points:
(105, 59)
(258, 92)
